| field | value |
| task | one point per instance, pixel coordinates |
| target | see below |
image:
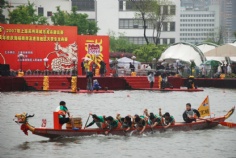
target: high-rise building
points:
(227, 18)
(198, 21)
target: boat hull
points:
(171, 89)
(86, 91)
(199, 125)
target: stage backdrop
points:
(60, 44)
(94, 47)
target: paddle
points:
(86, 122)
(228, 124)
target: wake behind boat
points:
(57, 132)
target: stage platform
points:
(62, 82)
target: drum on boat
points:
(77, 123)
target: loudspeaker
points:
(4, 70)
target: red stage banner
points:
(94, 47)
(59, 44)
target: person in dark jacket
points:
(190, 114)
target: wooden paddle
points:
(86, 122)
(228, 124)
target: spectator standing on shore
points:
(229, 70)
(151, 79)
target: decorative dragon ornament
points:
(23, 119)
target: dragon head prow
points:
(22, 118)
(230, 112)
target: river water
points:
(217, 142)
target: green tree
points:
(3, 5)
(235, 34)
(143, 9)
(159, 17)
(84, 25)
(121, 43)
(25, 14)
(152, 15)
(146, 53)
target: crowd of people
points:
(129, 122)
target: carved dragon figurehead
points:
(23, 119)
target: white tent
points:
(184, 52)
(219, 53)
(205, 47)
(125, 62)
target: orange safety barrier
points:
(56, 123)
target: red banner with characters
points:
(29, 45)
(95, 49)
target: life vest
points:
(60, 112)
(140, 123)
(190, 113)
(171, 120)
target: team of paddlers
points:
(139, 122)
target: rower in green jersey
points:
(99, 120)
(140, 124)
(168, 120)
(126, 123)
(154, 120)
(112, 124)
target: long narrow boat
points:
(55, 133)
(172, 89)
(86, 91)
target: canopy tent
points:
(219, 53)
(184, 52)
(205, 47)
(125, 62)
(213, 63)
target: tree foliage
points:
(144, 8)
(158, 17)
(218, 36)
(150, 12)
(84, 25)
(3, 5)
(121, 44)
(146, 53)
(25, 14)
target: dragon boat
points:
(172, 89)
(58, 132)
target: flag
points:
(204, 108)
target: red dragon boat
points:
(172, 89)
(57, 132)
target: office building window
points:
(164, 41)
(172, 40)
(40, 11)
(49, 13)
(130, 6)
(121, 5)
(165, 26)
(141, 40)
(172, 26)
(172, 9)
(84, 5)
(165, 9)
(134, 24)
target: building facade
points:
(227, 18)
(199, 21)
(43, 7)
(118, 17)
(114, 17)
